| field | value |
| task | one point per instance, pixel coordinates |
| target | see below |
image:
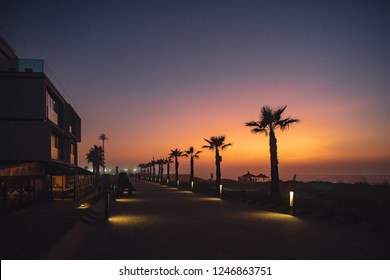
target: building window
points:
(54, 146)
(72, 158)
(51, 108)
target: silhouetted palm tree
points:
(168, 161)
(216, 143)
(143, 167)
(160, 163)
(192, 155)
(103, 137)
(176, 154)
(270, 120)
(96, 157)
(153, 165)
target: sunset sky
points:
(161, 75)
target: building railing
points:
(32, 66)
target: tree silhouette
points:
(192, 155)
(215, 144)
(168, 161)
(176, 154)
(270, 120)
(96, 157)
(160, 163)
(103, 137)
(153, 166)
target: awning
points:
(40, 169)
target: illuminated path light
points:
(166, 223)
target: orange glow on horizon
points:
(330, 131)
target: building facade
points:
(40, 129)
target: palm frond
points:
(285, 123)
(223, 147)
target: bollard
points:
(221, 191)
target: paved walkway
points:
(164, 223)
(30, 232)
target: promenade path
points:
(165, 223)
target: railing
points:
(32, 66)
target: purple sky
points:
(159, 75)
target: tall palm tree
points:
(103, 137)
(168, 161)
(176, 154)
(153, 165)
(160, 163)
(217, 143)
(192, 155)
(142, 166)
(270, 120)
(96, 157)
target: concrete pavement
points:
(165, 223)
(30, 232)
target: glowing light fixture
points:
(220, 191)
(192, 185)
(178, 182)
(292, 203)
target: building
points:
(250, 178)
(40, 131)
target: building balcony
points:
(31, 66)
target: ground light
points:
(192, 185)
(221, 191)
(292, 204)
(178, 183)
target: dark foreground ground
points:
(165, 223)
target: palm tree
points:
(271, 120)
(143, 167)
(168, 161)
(96, 157)
(160, 163)
(176, 154)
(103, 137)
(192, 155)
(215, 144)
(153, 165)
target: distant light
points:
(135, 170)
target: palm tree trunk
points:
(218, 169)
(176, 170)
(275, 185)
(192, 169)
(168, 177)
